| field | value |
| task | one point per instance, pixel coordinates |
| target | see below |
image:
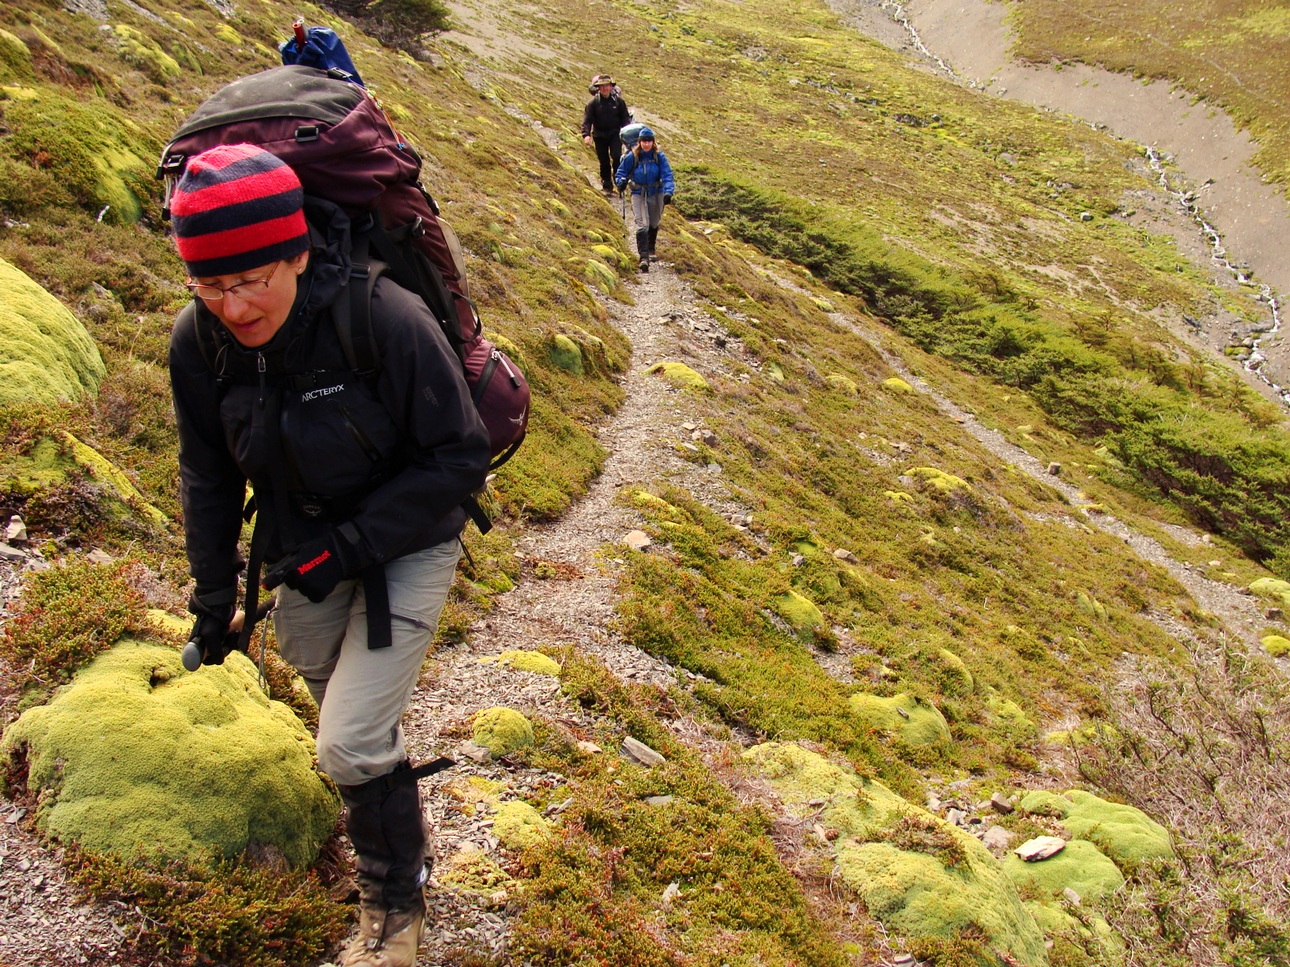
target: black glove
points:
(316, 568)
(210, 641)
(667, 199)
(622, 190)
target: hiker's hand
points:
(212, 638)
(667, 199)
(316, 568)
(622, 190)
(586, 139)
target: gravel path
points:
(574, 607)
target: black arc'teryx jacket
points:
(320, 445)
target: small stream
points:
(897, 13)
(1255, 362)
(1186, 199)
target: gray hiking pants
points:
(362, 694)
(648, 210)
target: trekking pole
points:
(299, 28)
(193, 652)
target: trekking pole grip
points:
(194, 652)
(192, 655)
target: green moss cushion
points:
(915, 721)
(139, 757)
(915, 872)
(918, 895)
(850, 804)
(800, 612)
(679, 375)
(1125, 834)
(100, 158)
(1080, 866)
(518, 825)
(46, 356)
(502, 730)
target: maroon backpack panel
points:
(501, 395)
(336, 138)
(341, 145)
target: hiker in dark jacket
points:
(646, 169)
(605, 115)
(358, 483)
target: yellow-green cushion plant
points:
(139, 758)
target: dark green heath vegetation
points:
(870, 240)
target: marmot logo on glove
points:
(308, 566)
(313, 394)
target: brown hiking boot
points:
(386, 938)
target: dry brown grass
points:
(1205, 749)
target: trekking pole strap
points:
(425, 769)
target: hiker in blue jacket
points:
(646, 169)
(358, 489)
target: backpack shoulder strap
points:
(212, 342)
(352, 316)
(419, 275)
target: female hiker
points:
(646, 168)
(358, 484)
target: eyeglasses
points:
(243, 290)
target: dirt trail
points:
(569, 600)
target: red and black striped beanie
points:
(237, 207)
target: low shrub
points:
(68, 614)
(238, 914)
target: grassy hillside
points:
(844, 209)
